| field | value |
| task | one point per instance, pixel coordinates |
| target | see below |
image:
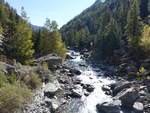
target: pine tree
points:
(36, 37)
(19, 45)
(144, 8)
(51, 39)
(134, 26)
(110, 40)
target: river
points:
(90, 75)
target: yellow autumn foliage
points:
(145, 39)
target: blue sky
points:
(60, 10)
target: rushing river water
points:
(90, 75)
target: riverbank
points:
(130, 93)
(81, 87)
(78, 86)
(74, 87)
(63, 88)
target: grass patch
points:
(33, 82)
(13, 97)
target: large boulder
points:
(51, 59)
(109, 107)
(51, 89)
(120, 87)
(128, 97)
(147, 83)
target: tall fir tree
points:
(109, 41)
(19, 45)
(134, 26)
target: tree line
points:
(109, 24)
(21, 42)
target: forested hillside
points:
(110, 25)
(21, 41)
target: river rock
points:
(83, 65)
(106, 88)
(68, 56)
(128, 97)
(114, 85)
(122, 67)
(77, 81)
(86, 54)
(131, 68)
(70, 74)
(109, 107)
(86, 93)
(125, 59)
(77, 92)
(51, 89)
(64, 70)
(53, 104)
(88, 87)
(75, 71)
(120, 87)
(146, 61)
(138, 106)
(62, 80)
(147, 83)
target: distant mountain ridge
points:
(35, 27)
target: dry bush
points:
(13, 97)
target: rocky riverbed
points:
(76, 86)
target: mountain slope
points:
(88, 29)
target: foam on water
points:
(89, 76)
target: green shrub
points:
(34, 82)
(3, 79)
(7, 79)
(13, 97)
(12, 78)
